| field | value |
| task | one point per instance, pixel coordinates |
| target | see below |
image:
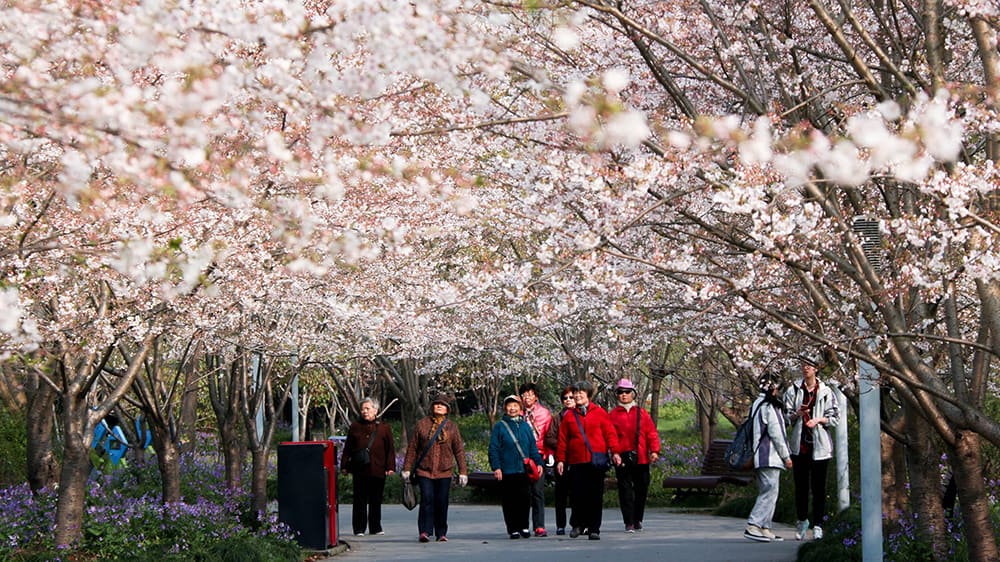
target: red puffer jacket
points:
(572, 449)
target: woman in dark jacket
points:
(369, 478)
(560, 481)
(440, 437)
(511, 441)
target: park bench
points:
(715, 473)
(484, 480)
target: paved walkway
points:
(476, 533)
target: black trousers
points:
(633, 488)
(587, 494)
(516, 501)
(561, 485)
(367, 509)
(810, 478)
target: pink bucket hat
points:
(625, 384)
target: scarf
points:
(435, 422)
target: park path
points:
(476, 533)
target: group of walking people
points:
(576, 446)
(810, 407)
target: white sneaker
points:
(800, 529)
(770, 534)
(755, 533)
(817, 532)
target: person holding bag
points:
(512, 446)
(438, 442)
(369, 455)
(640, 442)
(587, 446)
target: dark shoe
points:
(525, 533)
(594, 536)
(540, 532)
(638, 526)
(575, 532)
(442, 538)
(515, 535)
(424, 538)
(560, 531)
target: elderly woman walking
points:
(369, 454)
(640, 444)
(433, 452)
(588, 445)
(511, 442)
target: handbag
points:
(361, 458)
(630, 458)
(530, 466)
(601, 461)
(409, 495)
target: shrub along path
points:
(476, 533)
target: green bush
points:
(13, 451)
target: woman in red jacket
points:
(641, 445)
(585, 435)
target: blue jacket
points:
(504, 454)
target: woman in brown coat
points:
(438, 446)
(369, 478)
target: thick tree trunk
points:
(967, 462)
(75, 470)
(43, 468)
(168, 462)
(259, 484)
(189, 408)
(894, 495)
(232, 453)
(925, 485)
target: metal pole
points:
(257, 375)
(843, 475)
(295, 409)
(871, 459)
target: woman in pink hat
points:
(637, 436)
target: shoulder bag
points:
(632, 457)
(600, 460)
(361, 458)
(530, 466)
(409, 494)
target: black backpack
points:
(739, 453)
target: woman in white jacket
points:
(771, 456)
(812, 407)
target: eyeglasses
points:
(568, 397)
(624, 390)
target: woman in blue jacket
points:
(511, 442)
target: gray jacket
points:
(769, 436)
(825, 406)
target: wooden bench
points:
(715, 473)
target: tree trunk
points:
(75, 470)
(40, 423)
(259, 481)
(894, 495)
(188, 431)
(168, 462)
(925, 485)
(966, 461)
